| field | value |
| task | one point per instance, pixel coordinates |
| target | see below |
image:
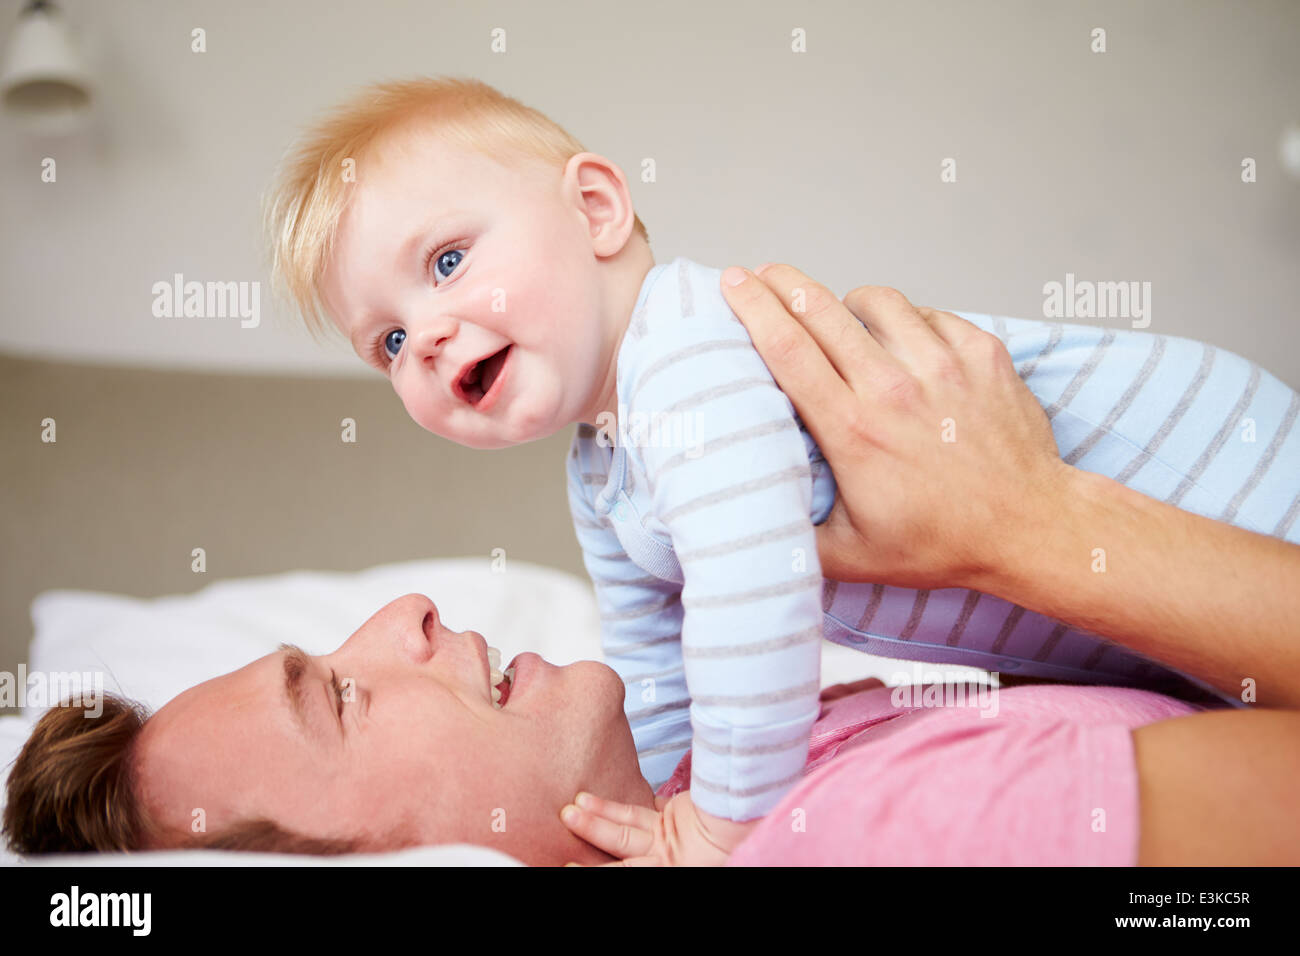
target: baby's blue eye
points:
(448, 260)
(393, 342)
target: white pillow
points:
(152, 649)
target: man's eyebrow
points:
(295, 670)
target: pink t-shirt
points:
(1045, 778)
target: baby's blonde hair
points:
(303, 208)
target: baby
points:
(496, 272)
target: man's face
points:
(418, 751)
(474, 286)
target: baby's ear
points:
(602, 190)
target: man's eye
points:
(338, 690)
(447, 262)
(393, 343)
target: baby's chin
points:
(515, 433)
(490, 439)
(538, 413)
(519, 428)
(481, 442)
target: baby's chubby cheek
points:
(431, 415)
(542, 413)
(443, 419)
(534, 405)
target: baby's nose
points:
(432, 338)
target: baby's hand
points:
(675, 833)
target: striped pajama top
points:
(696, 511)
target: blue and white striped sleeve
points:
(640, 623)
(730, 481)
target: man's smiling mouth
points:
(477, 378)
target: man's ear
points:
(598, 188)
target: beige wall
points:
(1116, 166)
(148, 466)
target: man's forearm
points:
(1201, 596)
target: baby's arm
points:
(640, 618)
(735, 493)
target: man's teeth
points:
(496, 675)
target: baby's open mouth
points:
(477, 380)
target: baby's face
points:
(474, 287)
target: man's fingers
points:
(839, 548)
(979, 352)
(953, 329)
(898, 326)
(847, 344)
(799, 366)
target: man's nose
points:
(412, 626)
(431, 624)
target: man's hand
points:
(675, 833)
(944, 459)
(949, 476)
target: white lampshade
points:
(43, 76)
(1289, 150)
